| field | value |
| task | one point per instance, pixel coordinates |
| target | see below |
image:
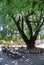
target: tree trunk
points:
(30, 44)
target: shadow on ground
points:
(29, 59)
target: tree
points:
(29, 42)
(34, 25)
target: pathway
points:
(30, 59)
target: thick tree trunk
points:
(30, 44)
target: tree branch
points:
(20, 30)
(29, 13)
(37, 31)
(28, 22)
(29, 26)
(39, 20)
(22, 24)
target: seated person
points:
(4, 49)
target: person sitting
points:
(4, 49)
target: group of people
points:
(11, 51)
(7, 48)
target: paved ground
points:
(40, 45)
(30, 59)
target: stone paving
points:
(29, 59)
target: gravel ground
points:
(29, 59)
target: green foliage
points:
(18, 6)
